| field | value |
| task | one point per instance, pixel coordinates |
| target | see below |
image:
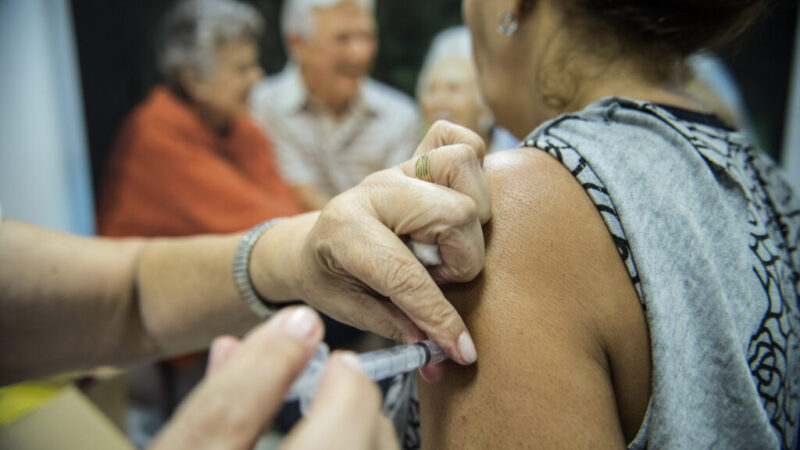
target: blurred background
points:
(115, 49)
(83, 65)
(72, 70)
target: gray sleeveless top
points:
(708, 230)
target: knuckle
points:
(440, 314)
(463, 210)
(440, 126)
(464, 154)
(466, 270)
(330, 221)
(472, 254)
(405, 276)
(379, 178)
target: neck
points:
(333, 109)
(621, 82)
(666, 95)
(220, 124)
(216, 122)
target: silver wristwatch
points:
(241, 275)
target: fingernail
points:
(351, 359)
(221, 349)
(467, 348)
(301, 323)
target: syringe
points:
(378, 365)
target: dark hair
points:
(677, 26)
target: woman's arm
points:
(68, 302)
(72, 302)
(562, 337)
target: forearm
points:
(186, 295)
(66, 301)
(71, 302)
(185, 289)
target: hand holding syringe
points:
(378, 365)
(381, 364)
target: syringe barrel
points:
(382, 364)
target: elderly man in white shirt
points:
(331, 124)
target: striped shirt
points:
(379, 130)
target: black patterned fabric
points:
(708, 230)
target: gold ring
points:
(423, 167)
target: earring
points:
(508, 23)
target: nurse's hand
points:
(248, 380)
(351, 260)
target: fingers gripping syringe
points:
(378, 365)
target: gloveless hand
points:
(354, 264)
(248, 380)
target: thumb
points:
(234, 403)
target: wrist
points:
(275, 265)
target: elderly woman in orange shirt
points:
(188, 160)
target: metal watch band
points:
(241, 275)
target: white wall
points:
(791, 142)
(44, 172)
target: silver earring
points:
(508, 23)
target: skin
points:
(222, 94)
(333, 63)
(339, 55)
(138, 300)
(451, 93)
(565, 352)
(70, 302)
(258, 372)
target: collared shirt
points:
(379, 130)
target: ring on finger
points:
(423, 167)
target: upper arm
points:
(563, 353)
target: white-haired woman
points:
(189, 160)
(447, 89)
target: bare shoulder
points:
(562, 341)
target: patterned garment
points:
(708, 230)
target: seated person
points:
(332, 124)
(189, 160)
(447, 89)
(641, 277)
